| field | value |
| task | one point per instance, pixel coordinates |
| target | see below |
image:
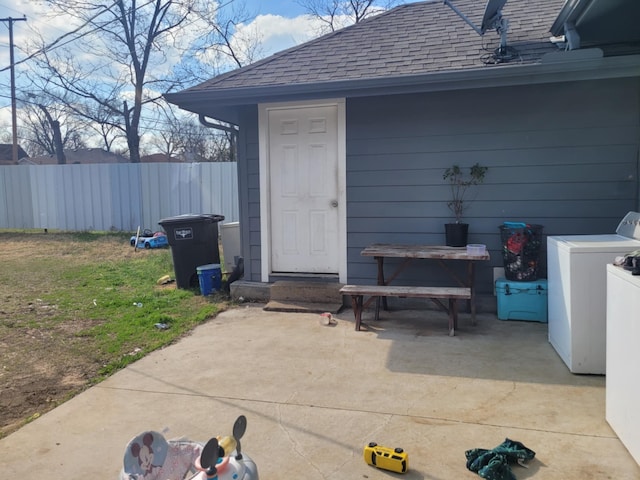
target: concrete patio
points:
(314, 395)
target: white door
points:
(303, 183)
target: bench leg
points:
(356, 304)
(453, 316)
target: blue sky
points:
(284, 8)
(280, 24)
(277, 24)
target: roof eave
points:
(570, 11)
(556, 67)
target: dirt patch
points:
(43, 363)
(40, 369)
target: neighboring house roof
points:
(414, 47)
(83, 156)
(190, 157)
(6, 153)
(159, 158)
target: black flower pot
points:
(456, 234)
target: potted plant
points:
(459, 181)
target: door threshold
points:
(320, 277)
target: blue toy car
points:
(156, 240)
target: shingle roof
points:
(6, 153)
(80, 156)
(412, 39)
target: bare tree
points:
(335, 14)
(125, 54)
(47, 130)
(6, 136)
(120, 43)
(194, 142)
(169, 139)
(224, 41)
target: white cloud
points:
(273, 33)
(263, 36)
(278, 33)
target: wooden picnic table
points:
(441, 254)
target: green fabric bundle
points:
(495, 464)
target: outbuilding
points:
(342, 141)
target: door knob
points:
(334, 203)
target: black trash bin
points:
(194, 242)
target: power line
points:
(32, 14)
(75, 35)
(55, 42)
(8, 7)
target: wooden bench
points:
(452, 294)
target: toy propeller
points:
(209, 457)
(239, 427)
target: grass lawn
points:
(76, 307)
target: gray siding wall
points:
(249, 191)
(561, 155)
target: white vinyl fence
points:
(117, 197)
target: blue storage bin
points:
(210, 278)
(522, 300)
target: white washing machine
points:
(623, 357)
(577, 292)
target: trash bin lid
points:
(211, 266)
(191, 218)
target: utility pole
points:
(13, 84)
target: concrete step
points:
(306, 291)
(301, 296)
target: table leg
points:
(381, 282)
(471, 279)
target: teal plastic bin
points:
(210, 278)
(522, 300)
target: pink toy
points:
(150, 457)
